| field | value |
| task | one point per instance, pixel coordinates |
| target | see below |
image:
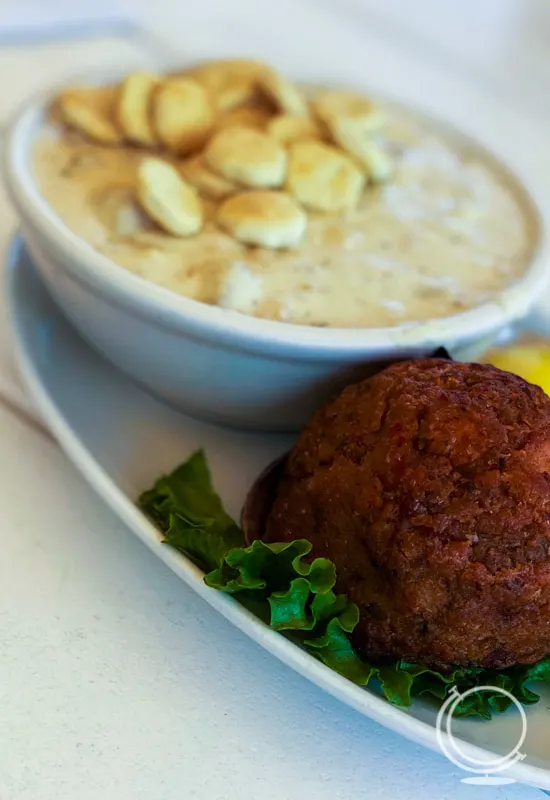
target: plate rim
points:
(361, 699)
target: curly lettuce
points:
(295, 595)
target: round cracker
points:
(90, 110)
(284, 94)
(248, 157)
(183, 116)
(376, 162)
(168, 199)
(287, 129)
(334, 106)
(133, 108)
(231, 82)
(268, 219)
(323, 178)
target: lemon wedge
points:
(531, 362)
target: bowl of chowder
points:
(243, 246)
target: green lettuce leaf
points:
(334, 648)
(190, 514)
(295, 594)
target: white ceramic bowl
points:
(219, 364)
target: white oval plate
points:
(121, 439)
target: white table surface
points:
(116, 682)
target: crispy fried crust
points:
(428, 485)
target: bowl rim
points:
(230, 328)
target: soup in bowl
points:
(243, 246)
